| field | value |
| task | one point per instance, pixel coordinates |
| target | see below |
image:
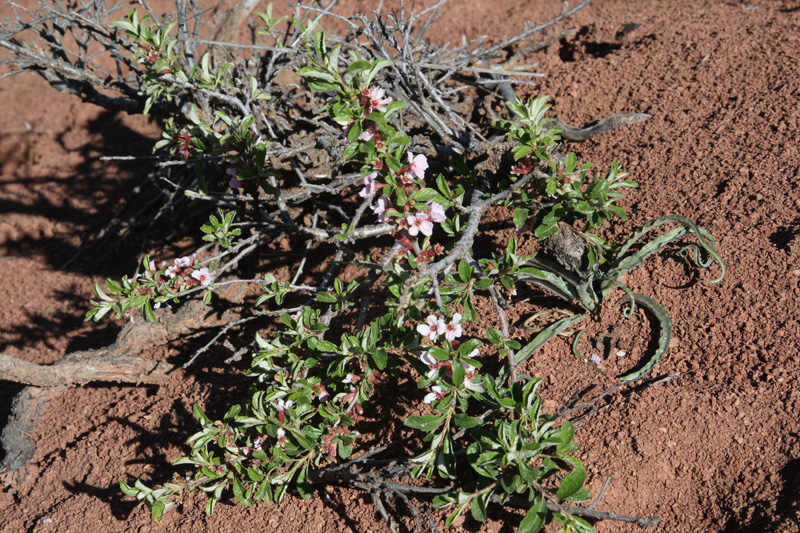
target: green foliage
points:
(308, 389)
(218, 230)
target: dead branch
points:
(117, 368)
(112, 363)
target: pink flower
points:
(437, 394)
(429, 360)
(282, 408)
(469, 375)
(234, 183)
(351, 378)
(374, 99)
(172, 270)
(436, 212)
(203, 276)
(381, 206)
(322, 393)
(186, 261)
(419, 223)
(433, 327)
(453, 329)
(417, 165)
(370, 133)
(281, 434)
(370, 186)
(596, 359)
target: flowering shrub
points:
(402, 202)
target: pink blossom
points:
(419, 223)
(469, 375)
(323, 394)
(172, 270)
(186, 261)
(381, 206)
(203, 276)
(437, 394)
(596, 359)
(351, 378)
(433, 327)
(429, 360)
(417, 165)
(370, 186)
(282, 408)
(281, 434)
(436, 212)
(370, 133)
(374, 99)
(453, 329)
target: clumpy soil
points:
(716, 450)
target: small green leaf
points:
(464, 271)
(572, 484)
(380, 358)
(534, 520)
(157, 511)
(520, 217)
(326, 297)
(463, 420)
(425, 423)
(130, 491)
(478, 509)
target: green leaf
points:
(543, 231)
(494, 336)
(393, 108)
(458, 373)
(463, 420)
(535, 519)
(464, 271)
(581, 496)
(546, 334)
(425, 423)
(350, 152)
(520, 217)
(326, 297)
(130, 491)
(478, 509)
(424, 195)
(572, 484)
(380, 358)
(239, 492)
(663, 338)
(157, 511)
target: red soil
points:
(716, 450)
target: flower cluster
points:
(151, 288)
(435, 326)
(395, 186)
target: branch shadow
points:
(103, 185)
